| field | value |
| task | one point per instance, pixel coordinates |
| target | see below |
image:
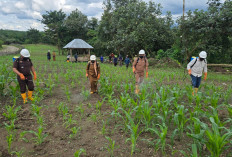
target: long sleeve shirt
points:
(198, 67)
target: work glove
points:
(189, 71)
(22, 77)
(205, 76)
(35, 77)
(147, 74)
(98, 76)
(86, 75)
(133, 69)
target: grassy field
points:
(65, 120)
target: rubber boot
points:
(30, 95)
(24, 96)
(137, 89)
(196, 90)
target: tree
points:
(132, 25)
(33, 36)
(54, 25)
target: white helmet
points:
(203, 54)
(142, 52)
(25, 53)
(92, 57)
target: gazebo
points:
(78, 44)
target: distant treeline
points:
(127, 26)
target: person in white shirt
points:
(195, 69)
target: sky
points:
(25, 14)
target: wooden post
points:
(70, 55)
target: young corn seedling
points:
(147, 114)
(9, 142)
(85, 93)
(11, 113)
(99, 105)
(10, 128)
(134, 132)
(39, 136)
(161, 142)
(111, 146)
(216, 141)
(74, 131)
(180, 120)
(36, 109)
(79, 152)
(80, 109)
(103, 130)
(68, 93)
(69, 121)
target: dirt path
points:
(8, 50)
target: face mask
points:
(92, 61)
(25, 58)
(141, 57)
(201, 59)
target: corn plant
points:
(180, 120)
(216, 141)
(103, 130)
(11, 113)
(80, 109)
(74, 131)
(69, 121)
(110, 146)
(79, 152)
(162, 134)
(9, 142)
(85, 94)
(10, 128)
(39, 135)
(134, 132)
(36, 109)
(68, 93)
(99, 105)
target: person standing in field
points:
(120, 59)
(195, 69)
(110, 58)
(75, 56)
(115, 60)
(49, 55)
(68, 58)
(93, 73)
(54, 55)
(139, 66)
(127, 61)
(102, 59)
(23, 67)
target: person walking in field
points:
(102, 59)
(120, 60)
(75, 56)
(115, 60)
(139, 66)
(23, 68)
(127, 61)
(54, 55)
(195, 69)
(49, 55)
(93, 73)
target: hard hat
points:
(48, 50)
(92, 57)
(25, 53)
(142, 52)
(203, 54)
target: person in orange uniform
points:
(93, 73)
(23, 67)
(140, 64)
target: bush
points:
(1, 43)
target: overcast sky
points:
(23, 14)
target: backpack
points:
(89, 65)
(138, 60)
(195, 63)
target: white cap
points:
(25, 53)
(142, 52)
(203, 54)
(92, 57)
(48, 50)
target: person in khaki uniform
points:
(93, 73)
(139, 65)
(54, 55)
(23, 67)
